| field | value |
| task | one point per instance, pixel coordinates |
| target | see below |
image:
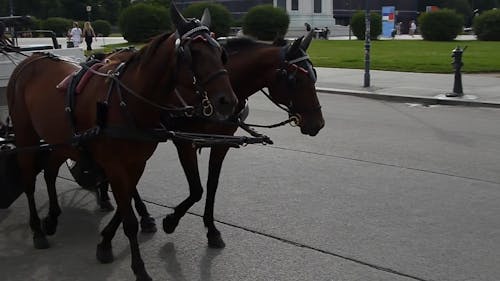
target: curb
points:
(409, 98)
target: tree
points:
(140, 22)
(487, 26)
(442, 25)
(358, 25)
(266, 22)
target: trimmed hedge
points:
(101, 27)
(59, 25)
(266, 22)
(442, 25)
(358, 25)
(487, 26)
(220, 15)
(140, 22)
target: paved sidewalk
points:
(426, 88)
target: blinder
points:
(182, 47)
(183, 51)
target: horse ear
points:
(307, 41)
(206, 19)
(177, 17)
(295, 45)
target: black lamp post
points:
(89, 10)
(11, 8)
(367, 46)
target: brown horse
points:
(290, 77)
(143, 85)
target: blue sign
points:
(388, 20)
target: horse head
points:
(294, 86)
(200, 63)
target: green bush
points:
(487, 26)
(266, 22)
(358, 25)
(221, 18)
(140, 22)
(59, 25)
(442, 25)
(101, 27)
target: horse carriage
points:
(182, 86)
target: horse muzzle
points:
(224, 104)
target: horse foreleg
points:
(104, 251)
(189, 162)
(103, 197)
(217, 155)
(124, 179)
(148, 224)
(51, 169)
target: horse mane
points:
(148, 51)
(242, 43)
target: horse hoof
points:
(49, 226)
(216, 242)
(106, 206)
(104, 254)
(170, 223)
(148, 225)
(144, 277)
(41, 242)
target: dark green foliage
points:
(101, 27)
(266, 22)
(442, 25)
(59, 25)
(358, 25)
(140, 22)
(221, 17)
(487, 26)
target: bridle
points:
(288, 70)
(183, 51)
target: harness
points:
(288, 72)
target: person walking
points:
(76, 35)
(413, 28)
(89, 35)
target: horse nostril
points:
(225, 103)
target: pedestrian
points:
(76, 35)
(413, 28)
(326, 32)
(89, 35)
(398, 28)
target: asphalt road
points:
(386, 191)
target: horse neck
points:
(150, 74)
(154, 71)
(253, 70)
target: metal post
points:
(457, 65)
(11, 8)
(367, 46)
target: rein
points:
(115, 77)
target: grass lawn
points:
(397, 55)
(406, 55)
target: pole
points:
(11, 8)
(367, 46)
